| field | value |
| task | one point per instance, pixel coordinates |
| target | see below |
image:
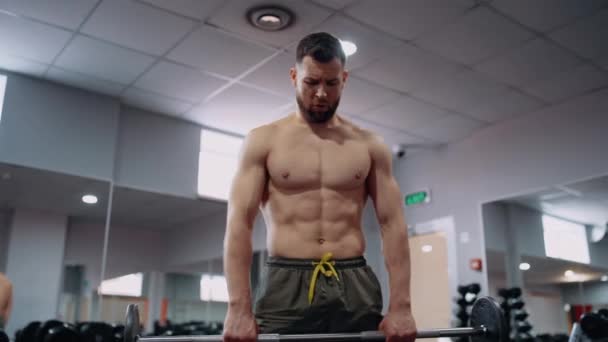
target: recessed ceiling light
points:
(349, 47)
(569, 273)
(270, 18)
(89, 199)
(604, 278)
(524, 266)
(427, 248)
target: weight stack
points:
(517, 318)
(464, 302)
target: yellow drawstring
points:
(325, 261)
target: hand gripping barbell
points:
(487, 325)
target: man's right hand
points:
(240, 326)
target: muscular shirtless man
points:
(311, 173)
(6, 299)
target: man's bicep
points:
(246, 192)
(383, 187)
(249, 181)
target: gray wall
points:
(556, 145)
(5, 221)
(35, 266)
(595, 293)
(182, 287)
(157, 153)
(57, 128)
(130, 250)
(84, 246)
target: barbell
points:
(487, 325)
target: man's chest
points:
(311, 162)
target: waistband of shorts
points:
(274, 261)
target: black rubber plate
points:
(487, 312)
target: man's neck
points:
(329, 124)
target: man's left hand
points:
(398, 326)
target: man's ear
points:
(293, 74)
(344, 77)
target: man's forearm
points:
(397, 260)
(237, 266)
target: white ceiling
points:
(585, 202)
(427, 71)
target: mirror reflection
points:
(547, 253)
(51, 235)
(165, 254)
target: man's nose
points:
(321, 93)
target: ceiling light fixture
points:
(569, 273)
(427, 248)
(270, 18)
(89, 199)
(349, 47)
(524, 266)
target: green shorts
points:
(347, 300)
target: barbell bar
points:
(487, 325)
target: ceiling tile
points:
(154, 102)
(335, 4)
(360, 96)
(545, 15)
(587, 37)
(84, 81)
(274, 75)
(103, 60)
(371, 44)
(65, 13)
(238, 109)
(405, 113)
(472, 93)
(390, 136)
(408, 19)
(137, 26)
(31, 40)
(195, 9)
(408, 68)
(504, 105)
(479, 34)
(572, 82)
(214, 51)
(536, 60)
(22, 65)
(451, 128)
(232, 17)
(179, 82)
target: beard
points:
(315, 116)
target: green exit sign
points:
(417, 198)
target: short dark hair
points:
(322, 47)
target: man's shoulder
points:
(366, 136)
(4, 281)
(267, 130)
